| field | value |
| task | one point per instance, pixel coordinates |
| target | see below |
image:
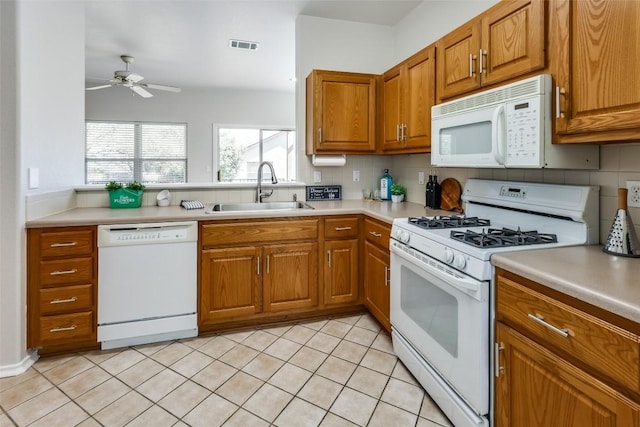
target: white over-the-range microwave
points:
(505, 127)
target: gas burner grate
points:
(497, 238)
(449, 222)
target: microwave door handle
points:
(498, 135)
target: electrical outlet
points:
(356, 175)
(633, 195)
(420, 178)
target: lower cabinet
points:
(377, 271)
(341, 271)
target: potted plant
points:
(125, 196)
(397, 192)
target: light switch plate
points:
(317, 176)
(420, 177)
(34, 178)
(356, 175)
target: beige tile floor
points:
(334, 372)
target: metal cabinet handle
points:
(59, 272)
(258, 265)
(559, 91)
(61, 245)
(398, 132)
(268, 257)
(329, 258)
(320, 135)
(68, 328)
(387, 275)
(404, 131)
(482, 53)
(471, 59)
(343, 228)
(374, 234)
(498, 348)
(540, 319)
(63, 301)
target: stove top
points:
(448, 222)
(503, 237)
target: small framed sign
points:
(324, 192)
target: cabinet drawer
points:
(258, 232)
(66, 243)
(65, 299)
(66, 271)
(608, 349)
(377, 233)
(66, 327)
(336, 228)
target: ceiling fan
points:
(133, 81)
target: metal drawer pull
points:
(62, 245)
(539, 319)
(343, 228)
(258, 265)
(329, 258)
(59, 272)
(320, 135)
(498, 348)
(62, 301)
(68, 328)
(559, 91)
(268, 263)
(374, 234)
(387, 275)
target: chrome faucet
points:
(274, 180)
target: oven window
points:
(474, 138)
(431, 308)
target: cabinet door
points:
(230, 284)
(512, 40)
(341, 110)
(457, 56)
(536, 388)
(376, 283)
(290, 278)
(419, 96)
(595, 56)
(392, 120)
(341, 271)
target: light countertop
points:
(584, 272)
(384, 211)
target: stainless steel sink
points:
(266, 206)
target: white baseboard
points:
(20, 367)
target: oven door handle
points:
(464, 284)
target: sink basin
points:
(265, 206)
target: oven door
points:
(444, 315)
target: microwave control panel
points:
(524, 133)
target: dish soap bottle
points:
(385, 185)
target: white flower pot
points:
(397, 198)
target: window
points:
(241, 150)
(127, 151)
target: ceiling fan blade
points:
(135, 78)
(161, 87)
(142, 92)
(98, 87)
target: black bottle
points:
(437, 193)
(429, 193)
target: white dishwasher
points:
(147, 282)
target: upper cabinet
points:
(341, 111)
(408, 92)
(505, 42)
(594, 58)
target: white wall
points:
(199, 109)
(42, 81)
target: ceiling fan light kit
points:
(133, 81)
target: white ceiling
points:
(185, 42)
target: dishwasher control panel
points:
(152, 233)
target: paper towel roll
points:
(339, 160)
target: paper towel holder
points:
(329, 160)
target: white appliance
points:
(442, 298)
(147, 282)
(505, 127)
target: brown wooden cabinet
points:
(340, 113)
(561, 362)
(505, 42)
(377, 270)
(261, 267)
(62, 288)
(341, 260)
(408, 92)
(594, 57)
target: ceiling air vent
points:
(243, 44)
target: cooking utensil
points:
(622, 238)
(450, 196)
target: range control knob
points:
(402, 236)
(448, 256)
(459, 262)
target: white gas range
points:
(441, 281)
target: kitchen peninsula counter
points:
(384, 211)
(583, 272)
